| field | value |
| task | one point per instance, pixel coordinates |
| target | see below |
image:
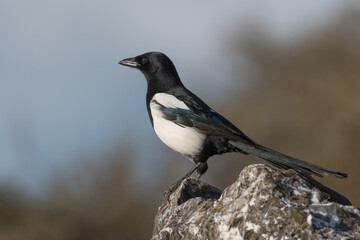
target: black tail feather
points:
(284, 161)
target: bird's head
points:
(153, 65)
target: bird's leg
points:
(188, 174)
(201, 169)
(176, 185)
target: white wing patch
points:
(169, 101)
(185, 140)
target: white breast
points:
(185, 140)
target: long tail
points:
(284, 161)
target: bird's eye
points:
(143, 61)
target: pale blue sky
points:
(62, 93)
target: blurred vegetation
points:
(302, 98)
(97, 200)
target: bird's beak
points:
(130, 62)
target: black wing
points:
(202, 117)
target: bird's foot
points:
(172, 189)
(199, 165)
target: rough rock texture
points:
(263, 203)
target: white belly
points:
(185, 140)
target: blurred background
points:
(78, 156)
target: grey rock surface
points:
(263, 203)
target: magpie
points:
(190, 127)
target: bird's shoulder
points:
(193, 102)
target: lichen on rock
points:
(263, 203)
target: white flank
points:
(185, 140)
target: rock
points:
(263, 203)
